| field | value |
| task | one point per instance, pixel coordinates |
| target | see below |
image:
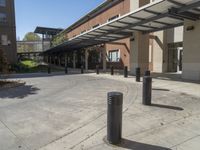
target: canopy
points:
(156, 16)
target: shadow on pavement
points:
(167, 107)
(172, 77)
(132, 145)
(42, 75)
(19, 92)
(157, 89)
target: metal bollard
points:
(82, 70)
(97, 69)
(138, 74)
(66, 70)
(147, 73)
(112, 70)
(147, 90)
(114, 117)
(49, 69)
(125, 71)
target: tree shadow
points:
(167, 107)
(132, 145)
(19, 92)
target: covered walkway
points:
(157, 16)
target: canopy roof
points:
(156, 16)
(48, 31)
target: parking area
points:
(57, 112)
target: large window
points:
(114, 56)
(3, 18)
(2, 3)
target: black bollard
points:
(97, 69)
(138, 74)
(147, 90)
(112, 70)
(147, 73)
(66, 70)
(82, 70)
(49, 69)
(126, 72)
(114, 117)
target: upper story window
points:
(3, 18)
(3, 3)
(83, 31)
(4, 40)
(113, 18)
(95, 26)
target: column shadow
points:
(132, 145)
(167, 107)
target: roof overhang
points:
(48, 31)
(156, 16)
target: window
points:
(3, 3)
(4, 40)
(113, 18)
(3, 18)
(114, 56)
(83, 31)
(95, 26)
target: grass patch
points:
(31, 66)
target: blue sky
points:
(50, 13)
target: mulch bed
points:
(5, 84)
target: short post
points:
(138, 74)
(114, 117)
(66, 69)
(49, 69)
(97, 69)
(112, 70)
(147, 73)
(147, 90)
(82, 69)
(125, 72)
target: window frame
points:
(2, 3)
(3, 17)
(118, 57)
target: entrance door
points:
(175, 53)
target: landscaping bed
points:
(4, 84)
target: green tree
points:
(30, 36)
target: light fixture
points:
(190, 28)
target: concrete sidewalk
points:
(69, 112)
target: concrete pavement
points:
(69, 112)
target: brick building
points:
(8, 30)
(150, 34)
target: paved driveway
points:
(63, 112)
(51, 107)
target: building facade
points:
(118, 52)
(8, 30)
(163, 50)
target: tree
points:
(30, 36)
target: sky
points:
(50, 13)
